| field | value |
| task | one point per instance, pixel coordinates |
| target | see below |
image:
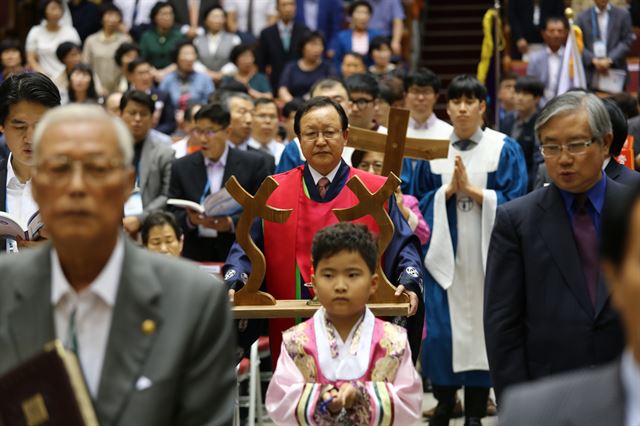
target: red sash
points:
(288, 246)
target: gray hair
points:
(225, 100)
(573, 102)
(76, 112)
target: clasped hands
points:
(460, 182)
(337, 399)
(602, 65)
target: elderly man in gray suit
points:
(545, 64)
(608, 36)
(608, 395)
(151, 158)
(153, 334)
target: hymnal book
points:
(611, 82)
(48, 389)
(12, 227)
(218, 204)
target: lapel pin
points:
(148, 327)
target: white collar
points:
(316, 175)
(630, 371)
(476, 137)
(12, 175)
(560, 51)
(347, 366)
(105, 285)
(606, 9)
(282, 26)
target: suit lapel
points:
(199, 173)
(558, 235)
(231, 166)
(145, 162)
(128, 346)
(31, 322)
(612, 170)
(3, 185)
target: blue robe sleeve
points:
(511, 178)
(402, 264)
(237, 267)
(290, 158)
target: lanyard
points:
(594, 25)
(207, 187)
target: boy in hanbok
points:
(343, 365)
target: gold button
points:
(148, 326)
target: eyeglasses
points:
(417, 91)
(573, 148)
(207, 132)
(95, 170)
(376, 166)
(313, 135)
(361, 103)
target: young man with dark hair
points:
(520, 126)
(24, 99)
(205, 172)
(265, 129)
(363, 101)
(459, 197)
(152, 160)
(313, 190)
(391, 95)
(422, 89)
(506, 93)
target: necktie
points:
(323, 183)
(286, 39)
(587, 243)
(72, 336)
(135, 13)
(250, 17)
(464, 144)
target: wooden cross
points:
(395, 144)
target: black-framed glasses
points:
(207, 132)
(550, 150)
(313, 135)
(361, 103)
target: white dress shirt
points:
(316, 175)
(215, 171)
(244, 146)
(603, 22)
(630, 370)
(554, 61)
(433, 128)
(19, 201)
(311, 14)
(127, 7)
(94, 310)
(262, 10)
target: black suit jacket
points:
(622, 174)
(521, 20)
(181, 10)
(167, 122)
(270, 51)
(3, 197)
(538, 317)
(528, 143)
(188, 180)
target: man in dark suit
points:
(328, 15)
(620, 127)
(608, 395)
(520, 126)
(191, 21)
(280, 42)
(153, 334)
(526, 18)
(607, 35)
(546, 306)
(142, 79)
(24, 98)
(196, 176)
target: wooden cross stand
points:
(250, 302)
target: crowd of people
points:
(496, 247)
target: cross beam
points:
(396, 145)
